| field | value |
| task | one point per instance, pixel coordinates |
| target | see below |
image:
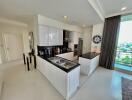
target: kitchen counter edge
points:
(62, 68)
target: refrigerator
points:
(80, 47)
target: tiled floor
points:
(22, 85)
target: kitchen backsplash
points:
(51, 51)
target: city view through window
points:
(123, 58)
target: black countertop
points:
(89, 55)
(60, 67)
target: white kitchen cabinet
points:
(50, 36)
(40, 64)
(73, 81)
(55, 36)
(65, 82)
(69, 55)
(88, 65)
(60, 37)
(51, 73)
(43, 35)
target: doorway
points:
(13, 46)
(123, 58)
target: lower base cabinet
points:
(65, 83)
(88, 66)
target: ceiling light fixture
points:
(65, 17)
(123, 8)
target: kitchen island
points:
(89, 62)
(63, 74)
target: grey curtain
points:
(109, 41)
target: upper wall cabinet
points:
(50, 36)
(43, 35)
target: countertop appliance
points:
(45, 51)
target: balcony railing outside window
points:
(124, 58)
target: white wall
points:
(13, 28)
(74, 36)
(97, 30)
(87, 37)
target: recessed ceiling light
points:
(65, 17)
(123, 8)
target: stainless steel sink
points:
(62, 62)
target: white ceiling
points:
(113, 7)
(79, 11)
